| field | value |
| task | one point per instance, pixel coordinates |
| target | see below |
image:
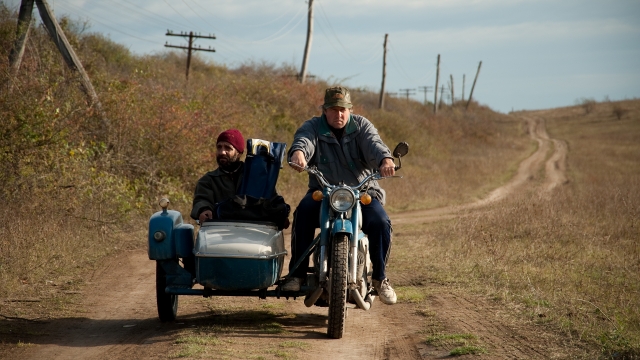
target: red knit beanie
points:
(233, 137)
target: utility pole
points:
(59, 38)
(441, 94)
(22, 33)
(425, 90)
(407, 92)
(190, 47)
(384, 71)
(452, 98)
(435, 99)
(473, 86)
(307, 46)
(463, 79)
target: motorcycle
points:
(342, 265)
(245, 258)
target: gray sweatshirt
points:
(350, 160)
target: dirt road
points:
(121, 322)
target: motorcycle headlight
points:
(342, 199)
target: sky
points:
(535, 54)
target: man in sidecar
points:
(222, 193)
(345, 147)
(222, 183)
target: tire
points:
(167, 303)
(338, 291)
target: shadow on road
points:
(85, 332)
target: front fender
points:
(342, 226)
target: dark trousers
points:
(375, 223)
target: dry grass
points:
(571, 259)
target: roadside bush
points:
(587, 104)
(618, 111)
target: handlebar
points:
(323, 181)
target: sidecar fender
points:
(169, 237)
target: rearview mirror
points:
(401, 150)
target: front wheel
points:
(167, 303)
(338, 298)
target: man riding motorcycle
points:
(345, 147)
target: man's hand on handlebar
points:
(387, 167)
(298, 158)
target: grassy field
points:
(569, 259)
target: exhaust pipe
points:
(308, 302)
(362, 304)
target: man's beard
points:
(228, 163)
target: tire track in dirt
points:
(117, 316)
(503, 339)
(121, 319)
(555, 169)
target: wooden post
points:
(384, 71)
(58, 37)
(441, 93)
(22, 33)
(463, 79)
(307, 46)
(435, 98)
(452, 98)
(425, 90)
(70, 57)
(189, 53)
(473, 86)
(407, 92)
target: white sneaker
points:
(292, 284)
(385, 291)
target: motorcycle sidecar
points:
(238, 255)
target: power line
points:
(176, 11)
(401, 69)
(223, 42)
(334, 33)
(147, 15)
(282, 35)
(244, 25)
(107, 25)
(372, 55)
(195, 12)
(274, 36)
